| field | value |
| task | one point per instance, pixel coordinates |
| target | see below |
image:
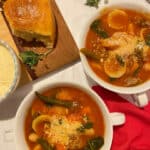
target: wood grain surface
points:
(65, 51)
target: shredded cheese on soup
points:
(61, 130)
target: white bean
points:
(37, 147)
(33, 137)
(147, 66)
(89, 131)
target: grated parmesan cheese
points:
(62, 130)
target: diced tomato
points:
(86, 110)
(75, 117)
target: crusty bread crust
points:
(31, 17)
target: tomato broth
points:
(118, 47)
(64, 127)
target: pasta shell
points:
(113, 68)
(33, 137)
(38, 120)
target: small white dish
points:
(15, 70)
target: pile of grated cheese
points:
(62, 130)
(6, 70)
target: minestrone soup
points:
(64, 118)
(118, 47)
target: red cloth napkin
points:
(135, 133)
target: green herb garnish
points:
(137, 70)
(81, 129)
(92, 3)
(95, 24)
(85, 126)
(45, 145)
(138, 53)
(112, 79)
(102, 33)
(94, 143)
(97, 28)
(88, 125)
(147, 40)
(30, 58)
(120, 60)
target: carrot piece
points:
(57, 110)
(60, 147)
(75, 117)
(86, 110)
(64, 95)
(131, 29)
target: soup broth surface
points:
(118, 47)
(70, 121)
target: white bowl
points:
(16, 76)
(138, 6)
(109, 119)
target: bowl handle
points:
(117, 118)
(141, 99)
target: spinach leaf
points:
(45, 145)
(81, 129)
(102, 33)
(92, 3)
(147, 40)
(95, 24)
(137, 70)
(112, 79)
(97, 28)
(94, 143)
(120, 60)
(87, 125)
(30, 58)
(138, 52)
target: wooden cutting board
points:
(65, 52)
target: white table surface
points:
(76, 14)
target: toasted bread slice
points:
(31, 19)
